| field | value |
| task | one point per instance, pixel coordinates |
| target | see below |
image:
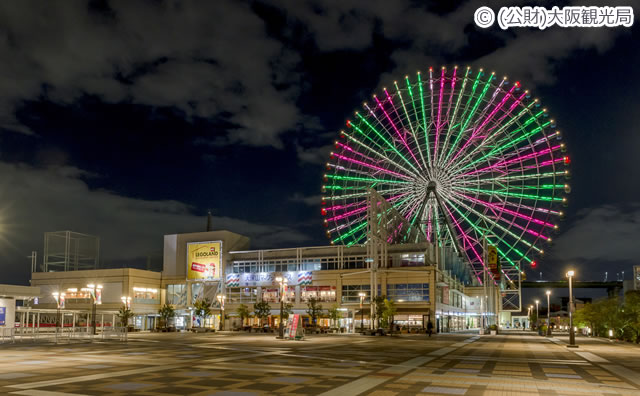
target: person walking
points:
(429, 328)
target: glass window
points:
(351, 293)
(145, 295)
(242, 294)
(177, 294)
(320, 293)
(408, 292)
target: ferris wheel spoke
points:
(497, 221)
(499, 133)
(472, 159)
(425, 127)
(473, 138)
(395, 128)
(379, 153)
(389, 144)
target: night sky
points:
(130, 119)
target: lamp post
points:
(126, 301)
(59, 297)
(572, 333)
(537, 314)
(529, 314)
(95, 293)
(283, 282)
(548, 293)
(221, 301)
(362, 296)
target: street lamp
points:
(96, 295)
(283, 284)
(126, 301)
(572, 333)
(537, 315)
(362, 296)
(59, 297)
(548, 293)
(529, 314)
(221, 301)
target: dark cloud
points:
(606, 233)
(313, 200)
(35, 200)
(206, 59)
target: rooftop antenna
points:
(209, 221)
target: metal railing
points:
(61, 334)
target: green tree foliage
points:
(243, 313)
(262, 310)
(388, 313)
(287, 309)
(334, 314)
(166, 312)
(314, 310)
(604, 315)
(378, 303)
(202, 309)
(125, 314)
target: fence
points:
(61, 334)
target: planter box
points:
(494, 332)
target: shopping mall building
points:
(218, 263)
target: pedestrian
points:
(429, 328)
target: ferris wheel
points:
(461, 155)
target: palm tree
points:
(125, 314)
(166, 312)
(202, 309)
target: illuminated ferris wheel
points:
(461, 155)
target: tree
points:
(262, 310)
(630, 316)
(334, 314)
(243, 313)
(287, 309)
(202, 309)
(378, 303)
(388, 313)
(314, 309)
(166, 312)
(125, 314)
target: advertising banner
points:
(268, 278)
(204, 260)
(3, 314)
(294, 329)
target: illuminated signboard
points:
(204, 260)
(268, 278)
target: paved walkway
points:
(244, 364)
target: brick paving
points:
(248, 364)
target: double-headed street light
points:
(126, 301)
(548, 293)
(362, 296)
(59, 297)
(572, 333)
(96, 295)
(283, 285)
(220, 298)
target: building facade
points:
(217, 266)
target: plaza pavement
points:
(232, 364)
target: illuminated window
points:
(408, 292)
(177, 294)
